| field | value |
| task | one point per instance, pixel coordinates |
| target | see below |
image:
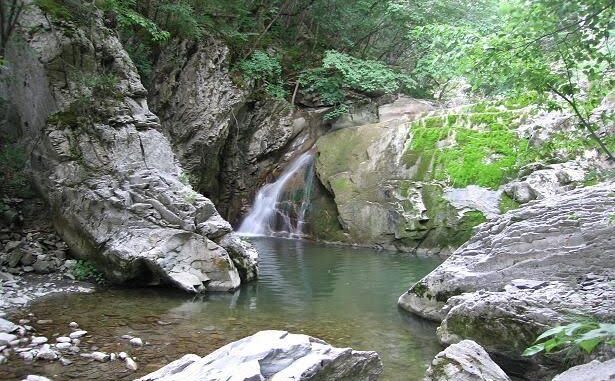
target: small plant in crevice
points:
(86, 271)
(586, 335)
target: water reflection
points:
(345, 296)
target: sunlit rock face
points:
(274, 355)
(528, 270)
(108, 173)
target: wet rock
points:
(6, 338)
(131, 364)
(136, 342)
(274, 354)
(66, 362)
(63, 346)
(7, 326)
(46, 353)
(464, 361)
(593, 371)
(100, 356)
(77, 334)
(36, 378)
(38, 340)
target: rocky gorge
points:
(143, 180)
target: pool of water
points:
(343, 295)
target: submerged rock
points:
(274, 355)
(105, 168)
(464, 361)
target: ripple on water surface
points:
(343, 295)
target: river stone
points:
(593, 371)
(6, 338)
(7, 326)
(114, 186)
(560, 238)
(274, 355)
(464, 361)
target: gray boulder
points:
(593, 371)
(506, 322)
(560, 238)
(274, 355)
(105, 168)
(464, 361)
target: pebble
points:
(100, 356)
(65, 361)
(27, 356)
(45, 353)
(44, 321)
(38, 340)
(127, 337)
(112, 357)
(136, 342)
(36, 378)
(122, 355)
(73, 325)
(77, 334)
(63, 339)
(3, 359)
(131, 364)
(63, 346)
(6, 338)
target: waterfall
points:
(272, 214)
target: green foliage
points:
(483, 149)
(140, 54)
(128, 18)
(507, 204)
(586, 335)
(86, 271)
(265, 71)
(54, 8)
(14, 181)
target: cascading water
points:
(272, 214)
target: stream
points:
(346, 296)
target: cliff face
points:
(395, 173)
(108, 173)
(229, 142)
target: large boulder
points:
(593, 371)
(464, 361)
(560, 238)
(274, 355)
(99, 159)
(385, 191)
(540, 266)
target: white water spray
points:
(266, 214)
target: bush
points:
(13, 178)
(266, 72)
(86, 271)
(586, 335)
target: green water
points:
(345, 296)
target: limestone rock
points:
(593, 371)
(506, 322)
(384, 197)
(107, 171)
(560, 238)
(464, 361)
(274, 355)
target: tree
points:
(551, 47)
(10, 10)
